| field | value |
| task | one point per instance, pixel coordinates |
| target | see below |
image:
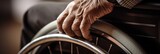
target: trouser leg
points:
(37, 17)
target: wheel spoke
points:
(97, 39)
(60, 46)
(49, 48)
(77, 50)
(110, 47)
(71, 48)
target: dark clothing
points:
(37, 17)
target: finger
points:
(84, 27)
(76, 25)
(67, 25)
(77, 21)
(60, 20)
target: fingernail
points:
(78, 35)
(90, 39)
(71, 35)
(60, 32)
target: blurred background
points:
(11, 15)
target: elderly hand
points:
(79, 15)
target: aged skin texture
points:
(79, 15)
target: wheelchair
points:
(107, 39)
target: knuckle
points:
(75, 26)
(59, 25)
(65, 27)
(82, 27)
(59, 21)
(75, 29)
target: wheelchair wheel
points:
(107, 39)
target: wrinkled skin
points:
(79, 15)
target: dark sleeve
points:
(126, 3)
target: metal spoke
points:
(77, 50)
(49, 48)
(97, 39)
(60, 46)
(110, 48)
(71, 48)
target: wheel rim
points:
(112, 36)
